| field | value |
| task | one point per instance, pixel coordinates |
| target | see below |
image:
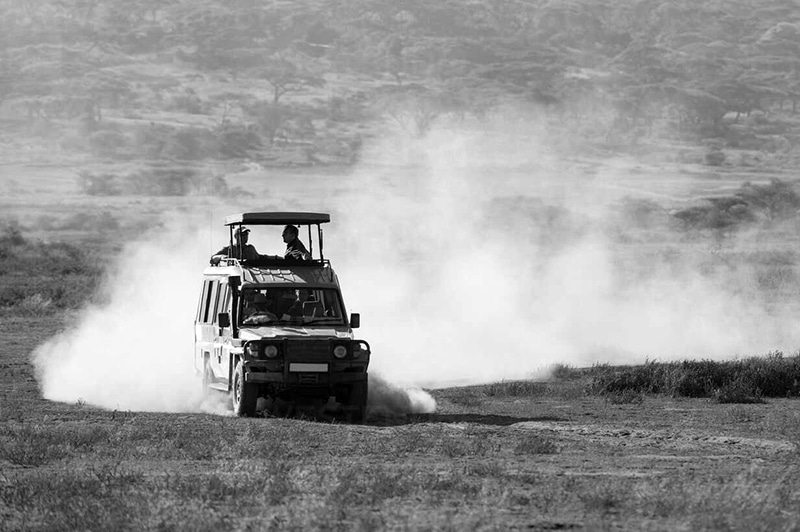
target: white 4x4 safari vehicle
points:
(277, 328)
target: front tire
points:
(244, 395)
(208, 378)
(357, 402)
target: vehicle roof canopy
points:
(278, 218)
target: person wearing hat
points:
(240, 250)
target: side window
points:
(223, 299)
(207, 301)
(202, 305)
(215, 289)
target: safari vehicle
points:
(277, 329)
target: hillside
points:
(307, 82)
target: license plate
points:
(298, 366)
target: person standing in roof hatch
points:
(294, 248)
(248, 251)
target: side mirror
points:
(223, 320)
(355, 320)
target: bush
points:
(740, 390)
(42, 278)
(745, 380)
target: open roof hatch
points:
(281, 218)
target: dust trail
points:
(386, 398)
(135, 351)
(458, 288)
(474, 254)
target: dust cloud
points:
(134, 352)
(450, 248)
(458, 286)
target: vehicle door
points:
(223, 335)
(203, 339)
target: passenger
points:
(294, 247)
(296, 310)
(248, 251)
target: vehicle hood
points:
(255, 333)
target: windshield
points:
(316, 306)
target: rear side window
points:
(208, 301)
(215, 288)
(202, 305)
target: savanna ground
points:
(510, 455)
(571, 453)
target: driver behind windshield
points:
(258, 308)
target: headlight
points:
(340, 351)
(271, 351)
(252, 349)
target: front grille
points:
(307, 378)
(308, 350)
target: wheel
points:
(243, 395)
(208, 378)
(357, 402)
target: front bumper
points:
(300, 373)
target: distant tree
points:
(415, 108)
(285, 76)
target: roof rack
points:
(278, 218)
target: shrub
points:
(740, 390)
(624, 397)
(44, 277)
(514, 388)
(745, 380)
